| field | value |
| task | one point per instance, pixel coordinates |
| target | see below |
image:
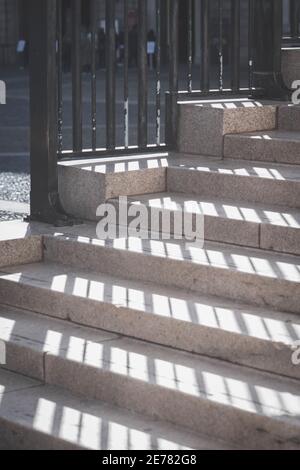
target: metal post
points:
(45, 204)
(110, 58)
(235, 44)
(205, 54)
(172, 95)
(143, 76)
(294, 19)
(76, 75)
(267, 39)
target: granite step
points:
(203, 125)
(35, 416)
(212, 326)
(262, 226)
(99, 180)
(235, 179)
(252, 409)
(279, 146)
(259, 277)
(289, 118)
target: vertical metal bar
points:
(174, 30)
(205, 30)
(76, 75)
(190, 47)
(235, 44)
(158, 72)
(43, 107)
(126, 74)
(294, 18)
(297, 16)
(110, 75)
(6, 34)
(143, 75)
(93, 15)
(59, 76)
(172, 110)
(250, 43)
(267, 74)
(221, 56)
(277, 27)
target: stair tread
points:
(227, 166)
(223, 256)
(275, 171)
(76, 422)
(274, 135)
(224, 208)
(177, 304)
(191, 375)
(117, 165)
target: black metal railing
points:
(208, 50)
(150, 73)
(105, 79)
(291, 27)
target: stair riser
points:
(175, 407)
(37, 416)
(215, 228)
(21, 251)
(289, 118)
(24, 360)
(93, 189)
(238, 232)
(260, 290)
(262, 150)
(14, 436)
(167, 331)
(280, 239)
(201, 129)
(241, 427)
(235, 187)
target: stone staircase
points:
(153, 344)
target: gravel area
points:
(6, 216)
(14, 182)
(14, 187)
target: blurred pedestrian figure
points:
(120, 47)
(22, 51)
(151, 48)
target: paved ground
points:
(14, 147)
